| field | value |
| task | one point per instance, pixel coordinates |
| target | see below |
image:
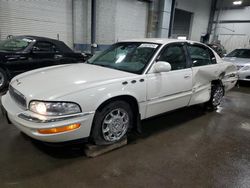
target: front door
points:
(169, 90)
(44, 54)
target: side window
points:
(201, 56)
(174, 55)
(45, 47)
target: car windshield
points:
(14, 44)
(126, 56)
(240, 53)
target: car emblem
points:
(18, 82)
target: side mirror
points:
(162, 66)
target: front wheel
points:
(111, 123)
(217, 93)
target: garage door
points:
(131, 19)
(43, 18)
(182, 22)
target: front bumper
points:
(30, 126)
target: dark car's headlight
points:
(54, 108)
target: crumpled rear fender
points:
(204, 75)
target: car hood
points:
(55, 82)
(237, 61)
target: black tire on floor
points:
(98, 135)
(3, 79)
(217, 93)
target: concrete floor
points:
(185, 148)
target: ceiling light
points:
(237, 2)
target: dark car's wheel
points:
(111, 123)
(217, 93)
(3, 79)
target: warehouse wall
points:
(82, 20)
(201, 13)
(235, 34)
(116, 20)
(131, 18)
(165, 7)
(43, 18)
(106, 14)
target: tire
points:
(111, 123)
(217, 93)
(3, 79)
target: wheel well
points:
(127, 98)
(131, 101)
(218, 82)
(2, 67)
(215, 82)
(6, 70)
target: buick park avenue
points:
(108, 95)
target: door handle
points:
(57, 56)
(22, 57)
(187, 76)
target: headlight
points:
(54, 108)
(246, 68)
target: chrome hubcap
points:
(1, 79)
(115, 125)
(218, 95)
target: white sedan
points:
(105, 97)
(241, 58)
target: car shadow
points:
(244, 83)
(60, 150)
(167, 121)
(243, 87)
(150, 127)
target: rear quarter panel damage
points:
(204, 75)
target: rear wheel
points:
(217, 93)
(111, 123)
(3, 79)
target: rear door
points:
(205, 69)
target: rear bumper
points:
(30, 128)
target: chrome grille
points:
(17, 97)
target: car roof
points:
(60, 44)
(36, 38)
(159, 40)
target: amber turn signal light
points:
(59, 129)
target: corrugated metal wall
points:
(231, 41)
(32, 17)
(237, 33)
(131, 19)
(116, 20)
(82, 21)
